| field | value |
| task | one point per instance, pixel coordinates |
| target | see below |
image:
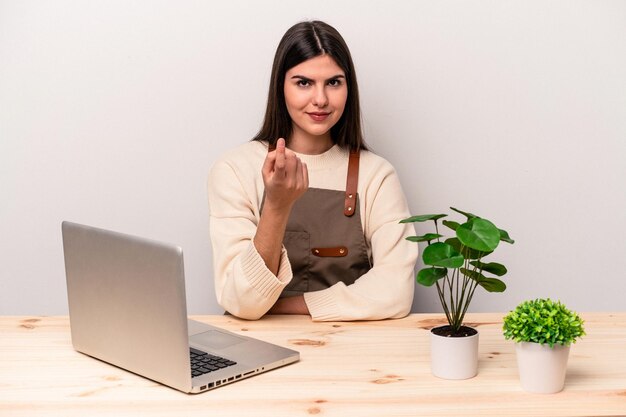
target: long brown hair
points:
(303, 41)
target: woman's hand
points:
(285, 177)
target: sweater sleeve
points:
(244, 286)
(386, 290)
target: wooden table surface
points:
(346, 369)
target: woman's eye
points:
(302, 83)
(334, 83)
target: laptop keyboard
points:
(203, 363)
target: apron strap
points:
(352, 181)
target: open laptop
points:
(128, 308)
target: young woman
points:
(304, 219)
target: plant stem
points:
(471, 295)
(443, 301)
(452, 303)
(472, 288)
(457, 308)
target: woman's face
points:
(315, 94)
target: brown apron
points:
(324, 237)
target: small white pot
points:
(541, 368)
(454, 357)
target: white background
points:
(111, 113)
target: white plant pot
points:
(454, 357)
(541, 368)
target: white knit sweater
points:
(247, 289)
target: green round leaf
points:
(492, 284)
(442, 254)
(479, 234)
(451, 225)
(428, 276)
(504, 236)
(468, 215)
(476, 276)
(492, 267)
(422, 218)
(425, 238)
(467, 253)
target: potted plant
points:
(543, 331)
(455, 266)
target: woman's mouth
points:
(318, 116)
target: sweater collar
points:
(332, 158)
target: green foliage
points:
(423, 218)
(442, 254)
(425, 238)
(455, 265)
(428, 276)
(479, 234)
(543, 321)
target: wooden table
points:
(346, 369)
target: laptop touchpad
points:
(216, 339)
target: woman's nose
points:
(320, 99)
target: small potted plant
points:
(543, 331)
(455, 266)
